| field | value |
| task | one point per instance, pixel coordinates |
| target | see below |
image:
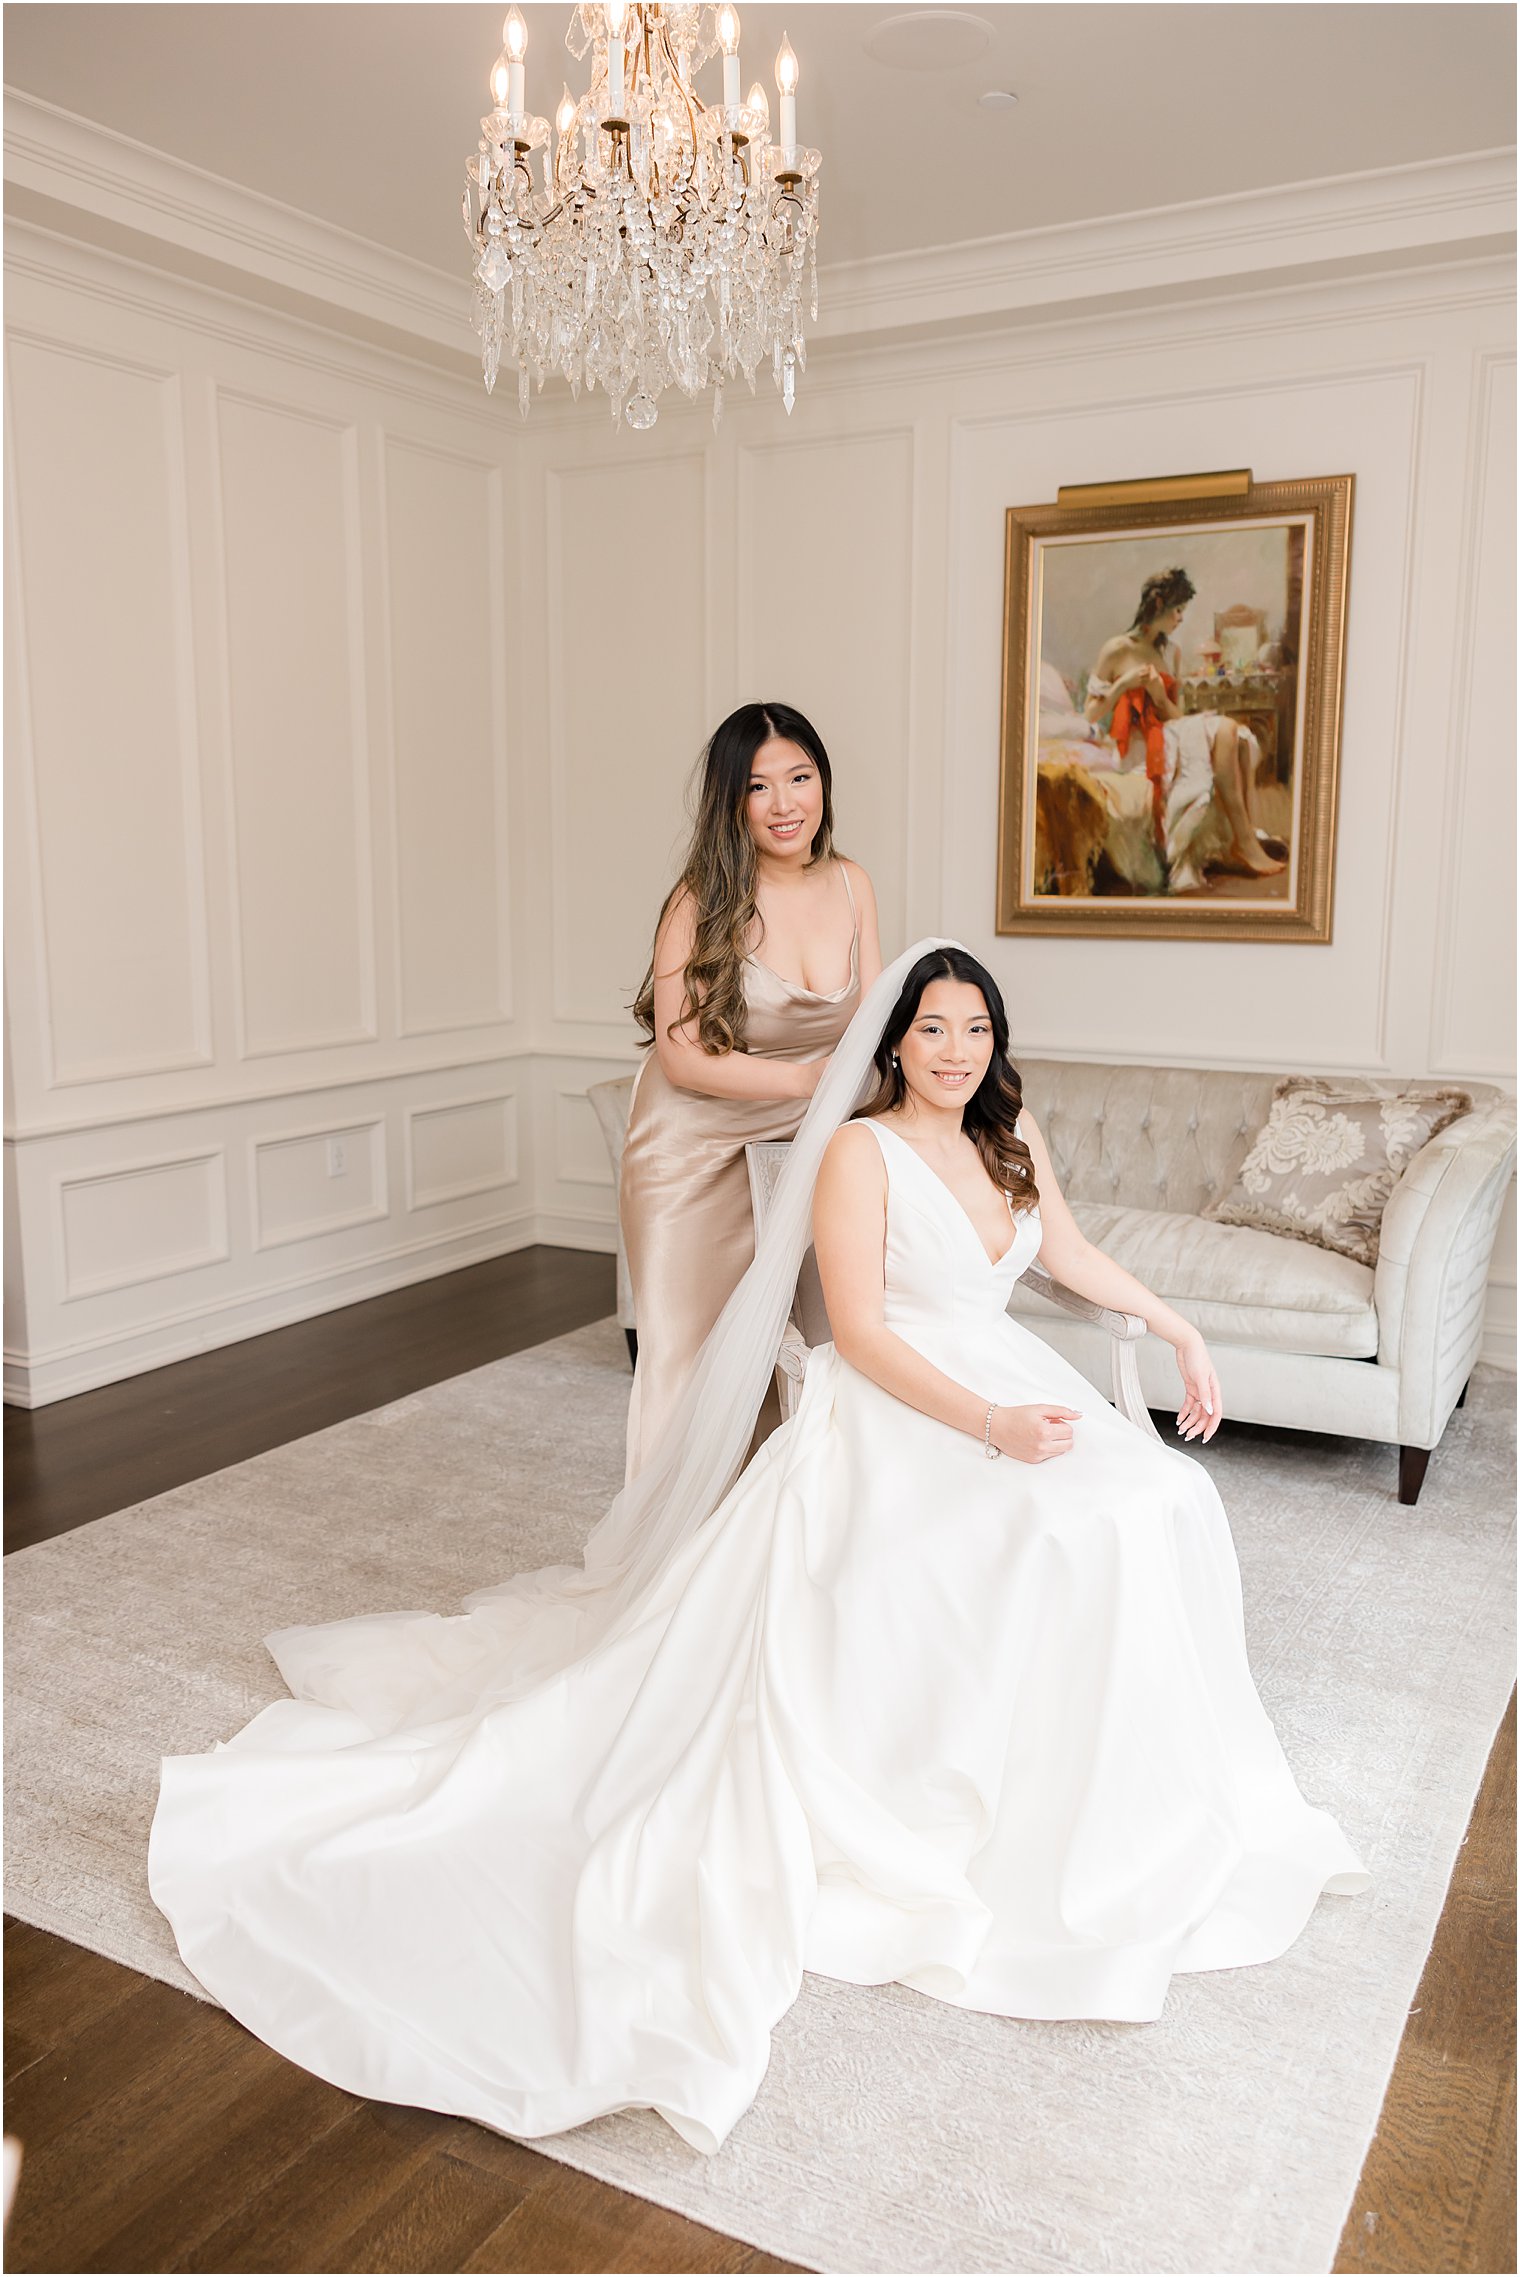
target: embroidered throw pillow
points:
(1330, 1154)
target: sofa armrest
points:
(1434, 1251)
(1128, 1327)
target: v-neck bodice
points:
(937, 1266)
(794, 990)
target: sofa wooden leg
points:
(1412, 1466)
(632, 1335)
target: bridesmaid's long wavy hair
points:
(719, 872)
(992, 1110)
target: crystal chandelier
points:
(665, 240)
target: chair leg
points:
(1412, 1467)
(632, 1335)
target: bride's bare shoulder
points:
(850, 1199)
(851, 1149)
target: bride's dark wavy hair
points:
(990, 1113)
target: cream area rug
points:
(891, 2133)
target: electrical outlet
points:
(337, 1158)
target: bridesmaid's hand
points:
(808, 1074)
(1202, 1409)
(1034, 1434)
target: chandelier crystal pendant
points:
(666, 241)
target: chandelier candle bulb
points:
(501, 83)
(786, 82)
(616, 99)
(728, 40)
(514, 39)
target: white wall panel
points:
(301, 856)
(102, 649)
(541, 623)
(580, 1151)
(825, 620)
(461, 1147)
(141, 1221)
(317, 1181)
(446, 633)
(196, 585)
(626, 711)
(1474, 1028)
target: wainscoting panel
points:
(316, 1181)
(446, 633)
(105, 741)
(825, 608)
(440, 678)
(625, 694)
(1473, 1031)
(580, 1151)
(141, 1221)
(300, 809)
(464, 1146)
(134, 1262)
(574, 1190)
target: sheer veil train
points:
(523, 1631)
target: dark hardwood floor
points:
(160, 2136)
(107, 1449)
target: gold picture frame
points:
(1217, 816)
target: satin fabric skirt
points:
(894, 1713)
(688, 1230)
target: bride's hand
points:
(1034, 1434)
(1201, 1408)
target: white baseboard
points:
(38, 1380)
(570, 1229)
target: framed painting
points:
(1173, 662)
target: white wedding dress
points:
(894, 1712)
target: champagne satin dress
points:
(688, 1229)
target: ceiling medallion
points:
(664, 240)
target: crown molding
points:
(199, 225)
(57, 161)
(1447, 209)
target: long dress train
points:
(894, 1712)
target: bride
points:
(948, 1689)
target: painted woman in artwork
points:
(1200, 766)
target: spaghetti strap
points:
(844, 872)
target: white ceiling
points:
(363, 115)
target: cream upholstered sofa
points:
(1301, 1336)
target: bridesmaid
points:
(763, 949)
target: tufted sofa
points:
(1300, 1335)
